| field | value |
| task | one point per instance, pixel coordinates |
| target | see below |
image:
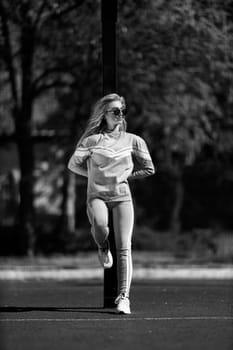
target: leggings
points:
(123, 221)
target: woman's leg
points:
(97, 212)
(123, 220)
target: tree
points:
(177, 66)
(175, 70)
(35, 61)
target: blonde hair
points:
(96, 123)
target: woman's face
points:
(114, 114)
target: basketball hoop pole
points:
(109, 64)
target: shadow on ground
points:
(15, 309)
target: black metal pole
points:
(109, 63)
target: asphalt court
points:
(69, 315)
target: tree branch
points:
(39, 14)
(56, 13)
(49, 71)
(77, 3)
(44, 87)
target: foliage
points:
(175, 70)
(181, 78)
(39, 58)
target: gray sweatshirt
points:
(108, 160)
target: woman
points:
(109, 156)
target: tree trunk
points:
(26, 218)
(175, 221)
(23, 122)
(67, 218)
(71, 200)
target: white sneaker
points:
(105, 257)
(123, 304)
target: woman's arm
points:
(138, 174)
(78, 161)
(143, 165)
(76, 168)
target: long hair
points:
(96, 123)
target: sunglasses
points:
(117, 111)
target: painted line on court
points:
(138, 274)
(191, 318)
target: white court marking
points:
(207, 318)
